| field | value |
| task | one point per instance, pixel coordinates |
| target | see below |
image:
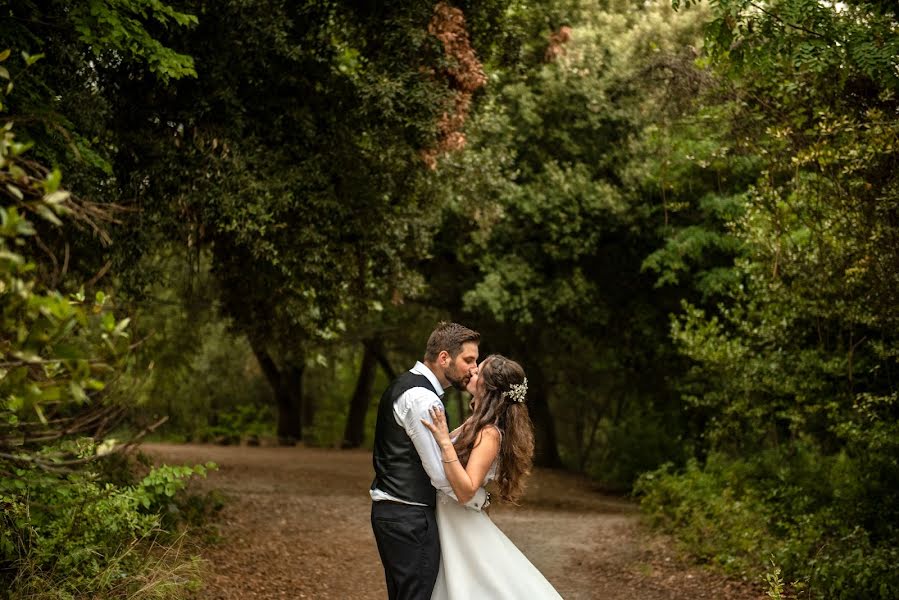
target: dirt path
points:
(297, 526)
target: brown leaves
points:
(448, 26)
(557, 41)
(465, 74)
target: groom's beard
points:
(458, 382)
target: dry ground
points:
(296, 525)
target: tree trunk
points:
(381, 356)
(546, 453)
(287, 386)
(306, 404)
(354, 434)
(290, 429)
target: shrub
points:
(809, 513)
(70, 528)
(77, 535)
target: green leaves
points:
(30, 59)
(58, 352)
(76, 533)
(164, 482)
(65, 532)
(785, 362)
(122, 26)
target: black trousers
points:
(409, 548)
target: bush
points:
(637, 443)
(816, 516)
(71, 526)
(78, 535)
(204, 377)
(245, 421)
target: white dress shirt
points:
(408, 410)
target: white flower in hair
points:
(517, 391)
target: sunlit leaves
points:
(55, 349)
(109, 25)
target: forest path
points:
(296, 525)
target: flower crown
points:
(517, 391)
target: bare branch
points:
(780, 20)
(59, 464)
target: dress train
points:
(478, 561)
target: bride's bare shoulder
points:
(491, 433)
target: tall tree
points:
(556, 226)
(297, 156)
(794, 366)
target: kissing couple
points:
(428, 497)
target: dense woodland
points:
(234, 221)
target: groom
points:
(408, 466)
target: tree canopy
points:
(246, 216)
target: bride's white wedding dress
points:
(477, 560)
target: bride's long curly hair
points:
(516, 454)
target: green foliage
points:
(556, 197)
(794, 354)
(75, 536)
(856, 40)
(241, 422)
(711, 512)
(66, 531)
(305, 184)
(329, 384)
(203, 375)
(110, 31)
(803, 509)
(109, 26)
(775, 583)
(58, 353)
(626, 447)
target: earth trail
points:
(296, 525)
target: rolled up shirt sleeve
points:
(410, 408)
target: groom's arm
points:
(410, 408)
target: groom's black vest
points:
(398, 469)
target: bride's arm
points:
(465, 481)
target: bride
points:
(495, 443)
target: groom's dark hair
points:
(450, 337)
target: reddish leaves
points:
(465, 73)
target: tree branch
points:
(780, 20)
